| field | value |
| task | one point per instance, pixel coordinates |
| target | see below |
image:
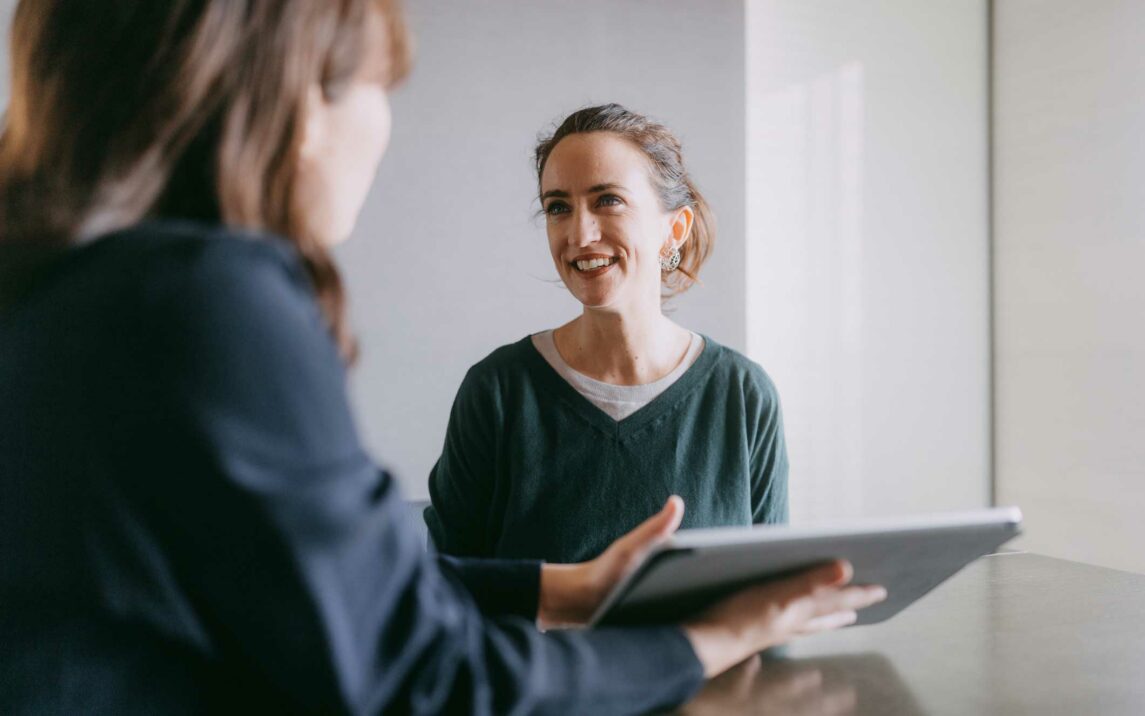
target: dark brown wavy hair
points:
(669, 177)
(126, 110)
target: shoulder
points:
(220, 258)
(160, 258)
(492, 382)
(205, 290)
(504, 364)
(213, 271)
(736, 370)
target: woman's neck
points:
(622, 350)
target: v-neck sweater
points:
(619, 401)
(532, 469)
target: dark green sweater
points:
(532, 469)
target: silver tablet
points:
(909, 556)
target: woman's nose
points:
(585, 230)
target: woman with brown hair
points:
(188, 521)
(561, 442)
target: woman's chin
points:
(593, 292)
(596, 301)
(337, 234)
(332, 229)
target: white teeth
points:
(590, 264)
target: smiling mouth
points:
(593, 264)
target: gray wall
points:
(449, 261)
(6, 7)
(1070, 237)
(868, 248)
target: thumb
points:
(658, 527)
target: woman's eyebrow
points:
(594, 189)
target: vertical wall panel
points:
(867, 255)
(1070, 207)
(6, 8)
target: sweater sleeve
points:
(768, 457)
(291, 547)
(461, 483)
(498, 586)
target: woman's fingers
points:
(821, 598)
(828, 622)
(827, 589)
(832, 574)
(656, 528)
(625, 554)
(664, 523)
(758, 617)
(846, 599)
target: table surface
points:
(1012, 633)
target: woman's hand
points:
(730, 631)
(570, 593)
(775, 613)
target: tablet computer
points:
(908, 555)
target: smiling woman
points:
(562, 441)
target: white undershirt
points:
(618, 401)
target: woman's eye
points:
(609, 200)
(556, 207)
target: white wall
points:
(6, 8)
(867, 252)
(449, 262)
(1070, 238)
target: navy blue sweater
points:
(189, 523)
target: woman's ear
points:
(681, 226)
(314, 124)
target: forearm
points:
(583, 671)
(568, 596)
(554, 595)
(717, 647)
(500, 587)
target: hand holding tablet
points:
(767, 615)
(737, 588)
(908, 555)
